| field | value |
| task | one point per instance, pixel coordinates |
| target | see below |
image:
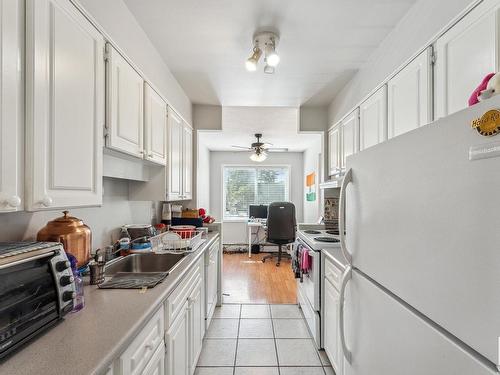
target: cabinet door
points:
(211, 265)
(464, 55)
(155, 129)
(124, 103)
(177, 342)
(11, 106)
(174, 163)
(332, 338)
(409, 96)
(196, 326)
(187, 165)
(65, 112)
(349, 135)
(156, 365)
(373, 119)
(334, 157)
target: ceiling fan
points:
(260, 149)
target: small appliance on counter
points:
(37, 290)
(75, 236)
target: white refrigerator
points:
(422, 221)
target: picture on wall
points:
(311, 187)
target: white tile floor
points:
(260, 340)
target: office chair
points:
(281, 225)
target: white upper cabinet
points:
(64, 107)
(124, 103)
(155, 126)
(187, 152)
(464, 56)
(334, 155)
(350, 136)
(180, 158)
(11, 106)
(174, 163)
(373, 119)
(409, 96)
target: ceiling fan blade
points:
(243, 147)
(267, 144)
(277, 149)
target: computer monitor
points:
(257, 211)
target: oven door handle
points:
(346, 277)
(346, 181)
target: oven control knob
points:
(62, 265)
(68, 296)
(66, 280)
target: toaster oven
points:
(36, 290)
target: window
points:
(244, 186)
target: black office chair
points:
(281, 225)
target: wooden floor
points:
(248, 280)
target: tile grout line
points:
(274, 339)
(237, 342)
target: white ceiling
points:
(278, 125)
(323, 43)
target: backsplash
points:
(104, 221)
(331, 213)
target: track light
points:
(272, 57)
(264, 42)
(251, 63)
(268, 69)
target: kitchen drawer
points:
(333, 273)
(175, 302)
(156, 365)
(141, 350)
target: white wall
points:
(424, 20)
(119, 23)
(313, 118)
(235, 232)
(104, 221)
(203, 177)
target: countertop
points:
(88, 341)
(336, 256)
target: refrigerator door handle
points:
(346, 276)
(347, 179)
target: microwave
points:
(36, 290)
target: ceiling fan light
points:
(258, 157)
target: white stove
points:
(318, 239)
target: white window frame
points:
(249, 166)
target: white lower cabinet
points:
(211, 274)
(196, 319)
(185, 314)
(177, 344)
(142, 350)
(156, 365)
(331, 296)
(64, 107)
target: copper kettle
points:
(75, 236)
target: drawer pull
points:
(149, 347)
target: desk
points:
(250, 225)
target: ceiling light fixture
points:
(258, 156)
(251, 63)
(264, 41)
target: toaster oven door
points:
(28, 302)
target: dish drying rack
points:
(179, 241)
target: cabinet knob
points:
(14, 201)
(150, 155)
(46, 201)
(141, 152)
